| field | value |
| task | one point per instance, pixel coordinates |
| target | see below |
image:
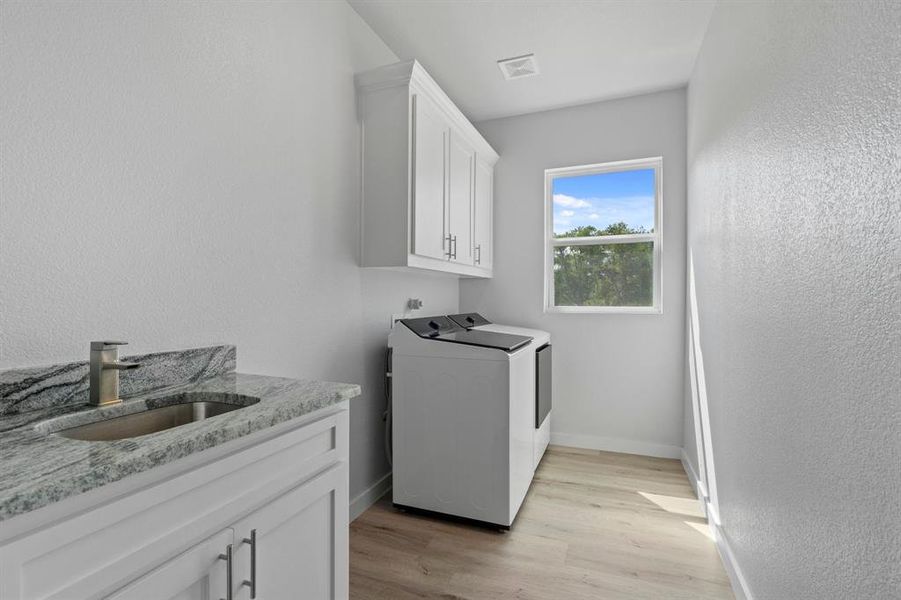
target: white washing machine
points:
(471, 404)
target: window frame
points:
(550, 242)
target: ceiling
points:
(586, 50)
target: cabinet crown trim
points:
(413, 74)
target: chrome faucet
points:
(105, 367)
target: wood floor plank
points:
(594, 525)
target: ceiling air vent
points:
(518, 66)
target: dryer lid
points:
(487, 339)
(469, 320)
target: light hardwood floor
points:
(594, 525)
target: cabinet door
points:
(196, 574)
(430, 134)
(461, 163)
(484, 199)
(300, 543)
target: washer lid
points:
(443, 329)
(431, 327)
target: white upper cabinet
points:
(461, 161)
(427, 177)
(430, 134)
(483, 204)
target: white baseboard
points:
(736, 577)
(369, 496)
(690, 471)
(695, 482)
(593, 442)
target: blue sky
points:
(604, 198)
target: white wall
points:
(182, 174)
(617, 378)
(794, 210)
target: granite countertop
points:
(39, 467)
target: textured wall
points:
(617, 378)
(795, 226)
(186, 173)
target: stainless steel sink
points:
(148, 421)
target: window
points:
(603, 237)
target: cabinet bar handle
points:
(252, 583)
(227, 557)
(478, 254)
(454, 242)
(447, 239)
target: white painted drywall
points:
(186, 173)
(794, 181)
(617, 378)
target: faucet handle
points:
(106, 345)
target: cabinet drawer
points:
(92, 554)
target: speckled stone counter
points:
(40, 467)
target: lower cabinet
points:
(265, 519)
(200, 573)
(296, 546)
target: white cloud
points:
(570, 202)
(635, 211)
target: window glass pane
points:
(613, 203)
(604, 275)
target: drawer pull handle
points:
(227, 557)
(252, 582)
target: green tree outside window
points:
(604, 274)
